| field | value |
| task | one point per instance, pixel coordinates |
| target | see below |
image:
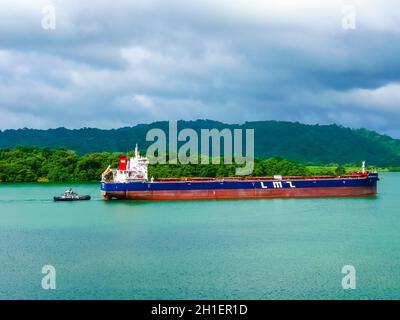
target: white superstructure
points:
(133, 169)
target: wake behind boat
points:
(70, 195)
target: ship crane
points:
(105, 173)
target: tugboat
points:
(70, 195)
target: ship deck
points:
(266, 178)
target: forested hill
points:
(310, 144)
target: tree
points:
(340, 170)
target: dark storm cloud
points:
(116, 64)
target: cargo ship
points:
(130, 182)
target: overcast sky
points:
(117, 63)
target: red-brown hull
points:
(243, 193)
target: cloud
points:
(109, 65)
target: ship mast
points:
(136, 151)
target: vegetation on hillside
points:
(262, 167)
(27, 164)
(308, 144)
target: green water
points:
(251, 249)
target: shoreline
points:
(50, 183)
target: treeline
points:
(28, 164)
(262, 167)
(309, 144)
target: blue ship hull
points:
(250, 188)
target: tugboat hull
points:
(81, 198)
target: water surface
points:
(242, 249)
